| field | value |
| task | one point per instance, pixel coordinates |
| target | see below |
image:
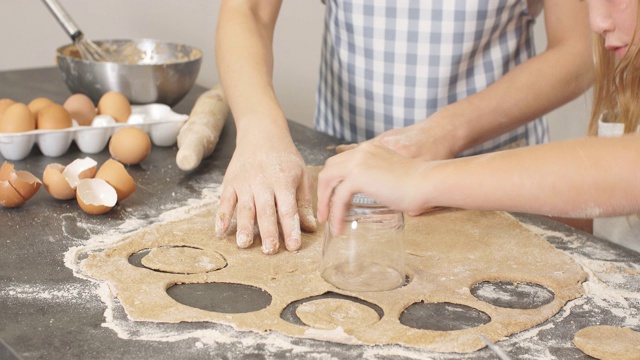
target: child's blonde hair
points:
(616, 88)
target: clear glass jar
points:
(370, 254)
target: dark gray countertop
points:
(48, 313)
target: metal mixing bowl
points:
(145, 71)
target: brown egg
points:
(16, 186)
(4, 104)
(17, 118)
(52, 117)
(130, 145)
(96, 196)
(114, 173)
(37, 104)
(115, 104)
(81, 108)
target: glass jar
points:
(370, 254)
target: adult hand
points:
(424, 140)
(371, 169)
(266, 181)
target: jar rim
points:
(362, 199)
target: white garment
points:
(622, 230)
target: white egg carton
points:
(158, 120)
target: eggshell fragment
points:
(79, 169)
(9, 196)
(96, 196)
(52, 117)
(5, 170)
(16, 187)
(81, 108)
(114, 173)
(130, 145)
(17, 118)
(55, 183)
(25, 183)
(61, 181)
(115, 104)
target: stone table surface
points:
(46, 312)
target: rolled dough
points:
(449, 252)
(609, 342)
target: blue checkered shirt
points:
(391, 63)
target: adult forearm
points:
(578, 178)
(244, 58)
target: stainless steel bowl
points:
(146, 70)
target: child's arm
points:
(583, 178)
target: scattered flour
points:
(74, 294)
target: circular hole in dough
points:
(512, 295)
(227, 298)
(289, 313)
(331, 313)
(183, 260)
(135, 259)
(442, 316)
(608, 342)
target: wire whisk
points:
(87, 48)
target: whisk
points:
(87, 48)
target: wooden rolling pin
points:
(199, 135)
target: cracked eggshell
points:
(25, 183)
(55, 184)
(5, 170)
(61, 181)
(9, 196)
(16, 187)
(96, 196)
(80, 169)
(114, 173)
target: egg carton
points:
(158, 120)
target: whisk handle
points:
(64, 19)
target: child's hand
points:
(371, 169)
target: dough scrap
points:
(453, 251)
(183, 260)
(609, 342)
(329, 314)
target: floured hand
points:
(424, 140)
(266, 182)
(371, 169)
